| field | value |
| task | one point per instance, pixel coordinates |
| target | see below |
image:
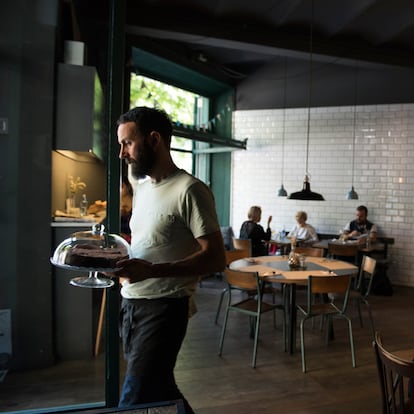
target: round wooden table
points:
(275, 269)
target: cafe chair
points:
(346, 252)
(363, 288)
(243, 244)
(231, 256)
(253, 306)
(309, 251)
(396, 378)
(339, 285)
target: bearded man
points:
(361, 226)
(175, 238)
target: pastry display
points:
(91, 256)
(93, 250)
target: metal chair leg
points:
(219, 305)
(351, 340)
(256, 337)
(223, 332)
(371, 319)
(302, 343)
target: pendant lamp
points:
(306, 193)
(352, 194)
(282, 192)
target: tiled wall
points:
(383, 178)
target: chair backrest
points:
(392, 370)
(366, 272)
(329, 284)
(347, 250)
(340, 251)
(232, 255)
(242, 280)
(336, 285)
(243, 244)
(309, 251)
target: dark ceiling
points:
(235, 38)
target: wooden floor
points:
(228, 384)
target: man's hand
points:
(134, 270)
(208, 259)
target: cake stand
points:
(92, 281)
(94, 239)
(96, 278)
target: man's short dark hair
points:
(363, 208)
(148, 120)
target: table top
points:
(374, 247)
(276, 268)
(284, 241)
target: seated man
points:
(361, 226)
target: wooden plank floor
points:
(228, 384)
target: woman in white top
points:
(303, 233)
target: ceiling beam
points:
(273, 43)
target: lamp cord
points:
(284, 118)
(355, 117)
(310, 89)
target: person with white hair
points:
(302, 232)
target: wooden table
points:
(373, 248)
(275, 269)
(283, 243)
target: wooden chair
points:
(312, 252)
(347, 252)
(396, 377)
(309, 251)
(231, 256)
(363, 288)
(242, 253)
(253, 306)
(243, 244)
(324, 285)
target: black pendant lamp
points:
(306, 193)
(352, 194)
(282, 192)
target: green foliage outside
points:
(178, 103)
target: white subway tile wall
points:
(383, 172)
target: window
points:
(184, 108)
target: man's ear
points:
(155, 139)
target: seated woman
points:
(302, 232)
(250, 229)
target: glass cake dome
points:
(91, 251)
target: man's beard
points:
(143, 163)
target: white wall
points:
(384, 171)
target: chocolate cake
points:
(86, 255)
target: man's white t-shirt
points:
(167, 217)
